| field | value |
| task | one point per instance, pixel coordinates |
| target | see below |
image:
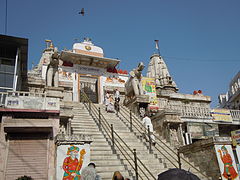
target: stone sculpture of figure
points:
(142, 111)
(52, 69)
(133, 86)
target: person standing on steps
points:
(117, 101)
(146, 121)
(117, 95)
(107, 100)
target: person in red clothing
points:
(71, 165)
(227, 161)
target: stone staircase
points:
(102, 153)
(162, 155)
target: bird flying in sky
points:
(82, 12)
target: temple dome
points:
(88, 48)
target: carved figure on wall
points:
(142, 111)
(174, 138)
(62, 129)
(133, 86)
(52, 69)
(71, 165)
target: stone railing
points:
(188, 111)
(235, 114)
(24, 93)
(29, 100)
(3, 96)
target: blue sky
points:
(199, 40)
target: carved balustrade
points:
(235, 115)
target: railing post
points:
(135, 162)
(179, 159)
(150, 140)
(99, 116)
(131, 120)
(90, 108)
(113, 143)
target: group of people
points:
(89, 173)
(112, 103)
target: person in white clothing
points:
(146, 121)
(117, 95)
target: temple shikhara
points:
(77, 107)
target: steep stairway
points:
(109, 159)
(167, 155)
(101, 152)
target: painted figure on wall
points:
(72, 165)
(228, 164)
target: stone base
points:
(56, 92)
(137, 101)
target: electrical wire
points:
(201, 59)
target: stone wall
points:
(202, 154)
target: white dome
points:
(87, 47)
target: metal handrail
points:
(139, 124)
(144, 128)
(107, 129)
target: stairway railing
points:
(135, 122)
(117, 142)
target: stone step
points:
(77, 131)
(85, 129)
(95, 158)
(110, 168)
(101, 152)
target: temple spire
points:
(158, 69)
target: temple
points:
(54, 119)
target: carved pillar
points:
(69, 126)
(180, 135)
(168, 132)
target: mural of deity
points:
(72, 165)
(228, 164)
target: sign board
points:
(235, 137)
(221, 115)
(226, 161)
(69, 160)
(32, 102)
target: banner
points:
(221, 115)
(149, 88)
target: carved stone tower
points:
(158, 69)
